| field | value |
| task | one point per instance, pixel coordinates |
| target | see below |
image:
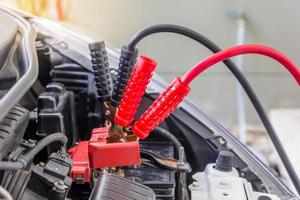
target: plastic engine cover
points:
(113, 187)
(214, 184)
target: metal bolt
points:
(63, 45)
(128, 129)
(221, 140)
(195, 186)
(31, 141)
(107, 113)
(60, 186)
(181, 156)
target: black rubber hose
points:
(11, 165)
(24, 160)
(177, 144)
(166, 134)
(169, 28)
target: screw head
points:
(195, 186)
(221, 140)
(60, 185)
(107, 112)
(29, 142)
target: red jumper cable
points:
(175, 93)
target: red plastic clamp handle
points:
(161, 108)
(135, 90)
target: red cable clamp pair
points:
(134, 92)
(174, 94)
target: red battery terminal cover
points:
(103, 154)
(97, 153)
(81, 170)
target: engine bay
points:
(73, 134)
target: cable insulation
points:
(239, 50)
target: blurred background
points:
(268, 22)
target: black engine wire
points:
(25, 159)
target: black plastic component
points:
(73, 76)
(43, 53)
(50, 180)
(56, 113)
(161, 181)
(12, 129)
(225, 161)
(42, 181)
(113, 187)
(58, 165)
(67, 55)
(126, 64)
(77, 79)
(100, 66)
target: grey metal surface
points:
(28, 62)
(8, 31)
